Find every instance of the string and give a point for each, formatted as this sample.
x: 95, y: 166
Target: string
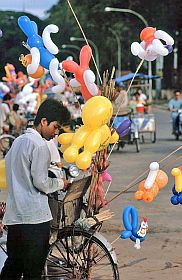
x: 84, y: 36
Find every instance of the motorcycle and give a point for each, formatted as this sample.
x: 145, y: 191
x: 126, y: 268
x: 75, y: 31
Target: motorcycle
x: 178, y: 125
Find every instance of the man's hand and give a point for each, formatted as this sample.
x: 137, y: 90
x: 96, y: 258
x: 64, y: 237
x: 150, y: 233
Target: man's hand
x: 66, y: 184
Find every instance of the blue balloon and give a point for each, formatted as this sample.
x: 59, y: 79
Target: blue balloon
x: 34, y: 40
x: 174, y: 200
x: 130, y: 221
x: 180, y: 198
x: 174, y: 190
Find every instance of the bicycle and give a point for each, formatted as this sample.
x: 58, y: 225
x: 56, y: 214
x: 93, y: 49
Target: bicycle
x: 77, y: 251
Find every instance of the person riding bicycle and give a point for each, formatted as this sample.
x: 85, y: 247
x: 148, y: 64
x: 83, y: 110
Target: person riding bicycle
x: 28, y: 214
x: 174, y: 105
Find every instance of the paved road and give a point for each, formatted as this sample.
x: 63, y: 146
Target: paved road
x: 160, y: 255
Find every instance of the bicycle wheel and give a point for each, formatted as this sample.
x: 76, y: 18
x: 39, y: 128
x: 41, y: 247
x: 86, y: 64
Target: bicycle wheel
x: 6, y: 141
x: 78, y: 254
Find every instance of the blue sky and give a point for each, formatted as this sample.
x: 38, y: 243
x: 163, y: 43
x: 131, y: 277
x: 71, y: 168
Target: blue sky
x: 35, y: 7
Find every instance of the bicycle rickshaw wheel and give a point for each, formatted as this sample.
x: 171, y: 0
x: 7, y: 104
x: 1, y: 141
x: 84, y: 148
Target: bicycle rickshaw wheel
x: 6, y: 141
x: 78, y: 254
x: 137, y: 143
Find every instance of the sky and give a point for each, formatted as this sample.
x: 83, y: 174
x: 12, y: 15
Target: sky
x: 35, y: 7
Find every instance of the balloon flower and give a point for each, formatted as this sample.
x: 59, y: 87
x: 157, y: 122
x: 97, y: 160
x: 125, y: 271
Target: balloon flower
x: 177, y: 188
x: 133, y: 231
x: 84, y: 77
x: 151, y: 47
x: 93, y: 136
x: 42, y: 50
x: 149, y: 188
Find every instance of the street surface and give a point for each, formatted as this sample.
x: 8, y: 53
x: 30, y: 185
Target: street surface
x: 160, y: 255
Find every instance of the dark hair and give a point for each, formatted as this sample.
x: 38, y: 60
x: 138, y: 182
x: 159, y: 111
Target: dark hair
x: 177, y: 90
x: 52, y: 110
x: 7, y: 97
x: 15, y: 107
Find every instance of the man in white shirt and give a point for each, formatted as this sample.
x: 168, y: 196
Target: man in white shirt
x: 27, y: 211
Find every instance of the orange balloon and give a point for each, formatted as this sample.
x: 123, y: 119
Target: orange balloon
x: 141, y: 186
x: 26, y: 60
x: 154, y: 189
x: 38, y: 74
x: 139, y: 195
x: 161, y: 179
x: 147, y: 34
x: 148, y: 197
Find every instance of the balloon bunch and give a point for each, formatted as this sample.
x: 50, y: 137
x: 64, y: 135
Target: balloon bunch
x: 151, y: 47
x: 84, y: 77
x: 94, y: 135
x: 149, y: 188
x: 42, y: 50
x: 133, y: 231
x: 177, y: 188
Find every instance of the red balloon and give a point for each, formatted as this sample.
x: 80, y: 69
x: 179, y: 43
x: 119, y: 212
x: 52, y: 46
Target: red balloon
x: 147, y: 34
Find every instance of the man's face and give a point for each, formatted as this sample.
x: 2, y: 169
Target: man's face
x: 49, y: 131
x: 177, y: 95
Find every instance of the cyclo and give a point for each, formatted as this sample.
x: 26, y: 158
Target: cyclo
x: 77, y: 249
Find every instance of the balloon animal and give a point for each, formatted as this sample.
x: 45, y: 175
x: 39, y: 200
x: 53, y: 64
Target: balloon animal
x: 149, y: 188
x: 84, y: 77
x: 42, y: 51
x: 94, y: 135
x: 151, y: 47
x: 133, y: 231
x: 177, y: 188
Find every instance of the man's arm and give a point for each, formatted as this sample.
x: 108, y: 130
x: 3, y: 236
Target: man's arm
x: 39, y: 171
x: 171, y: 106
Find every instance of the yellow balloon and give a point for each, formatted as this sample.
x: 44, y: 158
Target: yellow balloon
x: 2, y: 174
x: 105, y: 135
x: 71, y: 154
x: 65, y: 138
x: 97, y: 112
x: 80, y: 136
x: 84, y: 160
x: 64, y: 147
x: 114, y: 138
x: 93, y: 141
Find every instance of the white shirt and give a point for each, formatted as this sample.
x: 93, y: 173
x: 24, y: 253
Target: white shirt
x: 28, y: 184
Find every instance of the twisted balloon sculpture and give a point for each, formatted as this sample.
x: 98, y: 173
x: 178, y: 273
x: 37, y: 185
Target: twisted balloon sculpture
x: 151, y: 47
x: 42, y: 51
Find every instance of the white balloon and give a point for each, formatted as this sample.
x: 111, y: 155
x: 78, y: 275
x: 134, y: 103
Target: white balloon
x: 58, y: 89
x: 74, y: 83
x: 159, y: 48
x: 89, y: 79
x: 154, y: 168
x: 4, y: 87
x: 32, y: 68
x: 51, y: 28
x: 160, y: 34
x: 135, y: 48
